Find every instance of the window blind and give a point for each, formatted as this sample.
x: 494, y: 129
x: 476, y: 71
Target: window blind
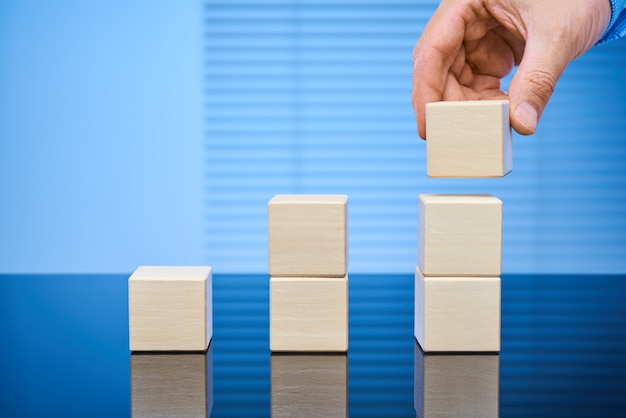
x: 315, y: 97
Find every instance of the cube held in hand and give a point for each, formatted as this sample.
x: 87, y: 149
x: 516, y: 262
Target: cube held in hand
x: 470, y: 138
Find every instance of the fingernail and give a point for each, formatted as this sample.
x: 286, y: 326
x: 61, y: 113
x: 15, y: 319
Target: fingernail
x: 527, y: 115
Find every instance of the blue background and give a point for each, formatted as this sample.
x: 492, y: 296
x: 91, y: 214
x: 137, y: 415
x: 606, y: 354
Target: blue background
x: 155, y: 132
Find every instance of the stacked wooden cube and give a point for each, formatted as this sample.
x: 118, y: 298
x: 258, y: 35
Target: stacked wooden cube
x: 457, y: 281
x: 308, y: 254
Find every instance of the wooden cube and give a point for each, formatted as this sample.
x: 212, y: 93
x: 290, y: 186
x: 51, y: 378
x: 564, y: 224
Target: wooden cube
x: 170, y: 308
x: 308, y: 235
x: 460, y: 235
x: 309, y: 314
x: 309, y: 385
x: 468, y: 139
x: 457, y: 313
x: 171, y: 385
x: 456, y: 385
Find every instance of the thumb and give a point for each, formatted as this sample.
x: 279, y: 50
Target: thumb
x: 534, y: 82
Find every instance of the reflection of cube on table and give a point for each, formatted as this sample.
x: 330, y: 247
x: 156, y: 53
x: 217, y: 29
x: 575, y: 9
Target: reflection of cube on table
x: 468, y: 139
x: 170, y: 309
x: 460, y: 235
x: 456, y: 385
x: 307, y: 235
x: 171, y: 384
x: 309, y: 385
x: 457, y: 313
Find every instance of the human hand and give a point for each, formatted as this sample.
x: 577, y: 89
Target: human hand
x: 468, y: 46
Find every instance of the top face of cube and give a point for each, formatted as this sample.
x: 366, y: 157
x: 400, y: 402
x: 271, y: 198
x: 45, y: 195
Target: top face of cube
x: 307, y: 235
x: 459, y: 199
x: 468, y: 139
x: 460, y: 235
x: 313, y: 199
x: 156, y: 273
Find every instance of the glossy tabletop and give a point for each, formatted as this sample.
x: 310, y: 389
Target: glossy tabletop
x: 64, y: 352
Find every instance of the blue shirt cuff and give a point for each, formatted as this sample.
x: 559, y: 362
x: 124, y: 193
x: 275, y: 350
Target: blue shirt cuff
x: 617, y: 26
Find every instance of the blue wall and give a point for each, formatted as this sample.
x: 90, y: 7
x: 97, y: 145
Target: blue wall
x: 155, y: 132
x: 100, y: 135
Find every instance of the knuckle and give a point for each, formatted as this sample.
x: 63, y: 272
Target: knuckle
x: 542, y: 83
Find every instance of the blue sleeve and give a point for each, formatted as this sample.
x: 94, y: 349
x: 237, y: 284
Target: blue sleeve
x: 617, y: 26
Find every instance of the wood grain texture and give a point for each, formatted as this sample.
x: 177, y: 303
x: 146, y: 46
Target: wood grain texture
x: 309, y: 314
x: 468, y: 139
x: 456, y: 385
x: 307, y: 235
x: 170, y: 308
x: 460, y: 235
x: 171, y: 385
x: 457, y: 313
x: 308, y: 385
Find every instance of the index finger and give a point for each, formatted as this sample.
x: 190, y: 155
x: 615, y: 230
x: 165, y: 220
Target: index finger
x: 434, y: 53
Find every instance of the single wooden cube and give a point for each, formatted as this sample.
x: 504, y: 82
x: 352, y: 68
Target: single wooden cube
x: 170, y: 308
x: 468, y: 139
x: 457, y: 313
x: 309, y: 385
x: 308, y: 235
x: 460, y: 235
x: 309, y: 314
x: 456, y: 385
x: 171, y: 385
